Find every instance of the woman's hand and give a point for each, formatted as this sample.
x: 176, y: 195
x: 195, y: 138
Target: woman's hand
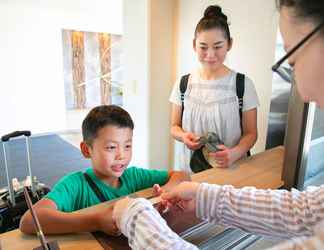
x: 183, y: 196
x: 191, y: 140
x: 224, y: 158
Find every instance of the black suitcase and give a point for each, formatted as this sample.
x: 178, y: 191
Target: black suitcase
x: 12, y: 202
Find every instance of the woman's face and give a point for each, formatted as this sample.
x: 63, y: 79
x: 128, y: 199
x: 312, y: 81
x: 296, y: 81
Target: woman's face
x: 211, y: 47
x: 308, y: 60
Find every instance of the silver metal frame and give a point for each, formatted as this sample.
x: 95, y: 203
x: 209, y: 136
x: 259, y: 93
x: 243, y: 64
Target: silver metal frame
x: 29, y: 163
x: 6, y: 152
x: 294, y: 137
x: 308, y: 127
x: 6, y: 158
x: 298, y: 138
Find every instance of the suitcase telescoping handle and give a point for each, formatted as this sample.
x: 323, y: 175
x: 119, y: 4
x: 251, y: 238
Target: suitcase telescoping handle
x: 4, y: 140
x: 7, y: 137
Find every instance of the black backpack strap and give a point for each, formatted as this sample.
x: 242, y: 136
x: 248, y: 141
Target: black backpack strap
x: 94, y: 188
x: 240, y: 93
x: 183, y: 88
x: 240, y: 86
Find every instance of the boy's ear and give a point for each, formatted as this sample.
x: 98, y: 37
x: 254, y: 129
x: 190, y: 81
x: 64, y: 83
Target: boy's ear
x: 85, y: 149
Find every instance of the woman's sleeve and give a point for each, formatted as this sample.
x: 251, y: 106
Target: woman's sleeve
x: 175, y: 96
x: 305, y: 243
x: 250, y: 98
x: 146, y: 229
x: 277, y: 213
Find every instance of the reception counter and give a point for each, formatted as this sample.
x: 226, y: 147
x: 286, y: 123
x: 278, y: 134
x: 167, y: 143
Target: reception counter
x: 262, y: 170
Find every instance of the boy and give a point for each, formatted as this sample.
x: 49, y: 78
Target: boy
x: 107, y: 140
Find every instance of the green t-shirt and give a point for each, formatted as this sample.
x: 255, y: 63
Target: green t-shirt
x: 73, y: 192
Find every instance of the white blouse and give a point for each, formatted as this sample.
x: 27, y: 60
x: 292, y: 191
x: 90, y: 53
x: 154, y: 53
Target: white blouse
x: 211, y: 106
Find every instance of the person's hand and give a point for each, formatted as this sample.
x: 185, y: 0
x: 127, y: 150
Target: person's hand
x: 106, y: 222
x: 224, y: 158
x: 157, y: 190
x: 191, y: 140
x: 162, y: 206
x: 182, y: 196
x: 119, y: 209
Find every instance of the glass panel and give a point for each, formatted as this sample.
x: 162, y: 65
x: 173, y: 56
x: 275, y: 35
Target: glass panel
x: 279, y: 103
x: 318, y: 129
x: 315, y: 163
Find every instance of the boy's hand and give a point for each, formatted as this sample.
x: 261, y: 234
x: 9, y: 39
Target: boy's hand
x: 106, y: 223
x: 157, y: 190
x: 162, y: 206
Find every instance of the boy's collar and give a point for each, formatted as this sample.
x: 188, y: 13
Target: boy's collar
x: 90, y: 172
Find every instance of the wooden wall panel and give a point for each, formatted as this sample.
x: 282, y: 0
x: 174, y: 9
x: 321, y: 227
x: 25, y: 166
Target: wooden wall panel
x: 78, y: 69
x: 105, y: 66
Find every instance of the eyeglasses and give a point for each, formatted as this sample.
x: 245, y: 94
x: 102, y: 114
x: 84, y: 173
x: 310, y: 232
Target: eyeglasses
x: 284, y: 72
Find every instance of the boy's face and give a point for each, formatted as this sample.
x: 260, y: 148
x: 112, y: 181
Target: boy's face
x: 111, y: 151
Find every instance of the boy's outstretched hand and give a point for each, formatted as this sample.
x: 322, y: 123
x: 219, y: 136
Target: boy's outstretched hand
x: 157, y: 190
x: 161, y: 207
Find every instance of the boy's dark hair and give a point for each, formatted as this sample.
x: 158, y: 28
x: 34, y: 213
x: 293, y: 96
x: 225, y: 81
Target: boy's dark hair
x: 102, y: 116
x: 214, y: 18
x: 309, y: 9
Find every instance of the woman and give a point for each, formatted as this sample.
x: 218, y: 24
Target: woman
x: 211, y: 101
x: 297, y: 215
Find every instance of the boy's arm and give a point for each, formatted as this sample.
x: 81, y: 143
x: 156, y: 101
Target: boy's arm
x: 54, y: 221
x: 175, y: 177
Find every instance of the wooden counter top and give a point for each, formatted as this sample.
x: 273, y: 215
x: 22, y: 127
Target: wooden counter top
x: 262, y: 171
x: 15, y: 240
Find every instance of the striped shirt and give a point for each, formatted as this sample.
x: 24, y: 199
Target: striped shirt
x: 297, y: 216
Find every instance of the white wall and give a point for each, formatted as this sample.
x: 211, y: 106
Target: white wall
x: 31, y: 81
x: 253, y: 28
x: 162, y: 16
x: 136, y: 65
x: 148, y: 46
